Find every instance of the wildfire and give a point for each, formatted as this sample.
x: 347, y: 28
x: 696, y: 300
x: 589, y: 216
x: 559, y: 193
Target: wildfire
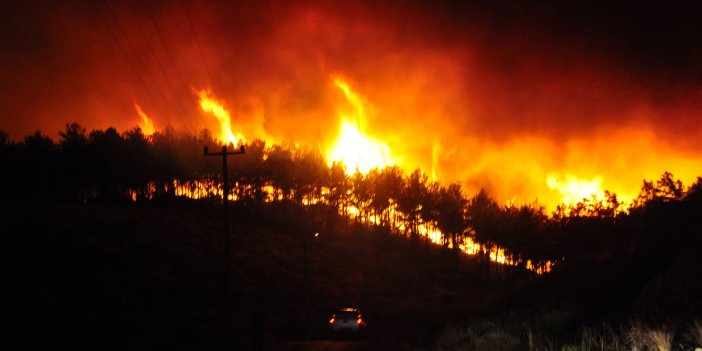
x: 353, y: 147
x: 210, y: 105
x: 147, y: 126
x: 574, y: 189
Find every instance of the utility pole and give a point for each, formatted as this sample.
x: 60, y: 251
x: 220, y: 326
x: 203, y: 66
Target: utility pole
x: 305, y: 282
x: 227, y: 246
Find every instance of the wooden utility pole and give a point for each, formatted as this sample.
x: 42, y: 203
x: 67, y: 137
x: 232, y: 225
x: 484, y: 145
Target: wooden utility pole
x: 227, y: 246
x: 305, y: 282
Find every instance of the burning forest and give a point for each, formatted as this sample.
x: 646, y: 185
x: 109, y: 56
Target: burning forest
x: 535, y: 144
x: 519, y: 110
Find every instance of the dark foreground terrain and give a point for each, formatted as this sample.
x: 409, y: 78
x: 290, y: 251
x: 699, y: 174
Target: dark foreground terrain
x: 152, y: 276
x: 148, y: 276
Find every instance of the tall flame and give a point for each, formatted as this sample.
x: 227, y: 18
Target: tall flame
x: 574, y: 189
x: 147, y: 125
x: 210, y: 105
x: 353, y: 147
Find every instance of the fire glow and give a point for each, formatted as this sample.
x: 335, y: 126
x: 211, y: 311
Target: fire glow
x: 353, y: 147
x: 146, y: 125
x: 574, y: 189
x: 550, y: 184
x: 210, y: 105
x: 500, y: 115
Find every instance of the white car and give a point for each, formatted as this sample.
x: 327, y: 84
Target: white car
x: 347, y: 320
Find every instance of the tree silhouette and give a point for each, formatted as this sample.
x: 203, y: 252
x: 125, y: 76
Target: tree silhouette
x: 309, y: 173
x: 410, y: 199
x: 164, y: 162
x: 430, y: 203
x: 138, y: 167
x: 73, y: 146
x: 7, y: 156
x: 386, y: 188
x: 249, y: 172
x: 485, y: 219
x: 8, y: 175
x: 109, y: 166
x: 451, y: 209
x: 694, y: 192
x: 668, y: 188
x: 38, y: 166
x: 4, y: 139
x: 523, y: 232
x: 279, y: 169
x: 362, y: 195
x: 73, y: 139
x: 339, y: 188
x: 106, y: 162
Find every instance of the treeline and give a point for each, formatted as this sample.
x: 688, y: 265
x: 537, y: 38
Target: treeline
x: 104, y: 165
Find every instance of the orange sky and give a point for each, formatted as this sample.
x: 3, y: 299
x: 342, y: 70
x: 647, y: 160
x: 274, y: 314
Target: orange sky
x: 493, y: 96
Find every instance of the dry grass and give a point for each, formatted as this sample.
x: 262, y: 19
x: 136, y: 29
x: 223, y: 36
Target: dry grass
x: 696, y: 333
x: 636, y: 337
x: 498, y: 335
x: 455, y: 338
x: 478, y: 336
x: 642, y: 338
x: 603, y: 338
x: 660, y: 340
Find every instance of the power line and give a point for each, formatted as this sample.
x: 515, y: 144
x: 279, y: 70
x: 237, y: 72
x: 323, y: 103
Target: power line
x: 153, y: 52
x: 136, y: 54
x: 129, y: 61
x: 197, y: 41
x: 170, y: 57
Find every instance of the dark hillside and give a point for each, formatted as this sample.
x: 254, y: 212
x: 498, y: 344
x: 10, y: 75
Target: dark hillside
x: 649, y: 270
x: 150, y: 276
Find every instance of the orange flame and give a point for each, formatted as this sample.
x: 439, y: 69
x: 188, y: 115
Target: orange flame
x: 210, y: 105
x: 147, y: 125
x: 574, y: 189
x: 353, y: 147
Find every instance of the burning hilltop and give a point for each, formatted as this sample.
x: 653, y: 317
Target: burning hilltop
x: 532, y: 103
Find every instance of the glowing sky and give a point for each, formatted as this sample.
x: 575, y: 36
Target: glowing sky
x: 496, y: 95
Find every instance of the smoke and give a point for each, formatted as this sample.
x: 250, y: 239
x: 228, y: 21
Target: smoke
x: 496, y: 96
